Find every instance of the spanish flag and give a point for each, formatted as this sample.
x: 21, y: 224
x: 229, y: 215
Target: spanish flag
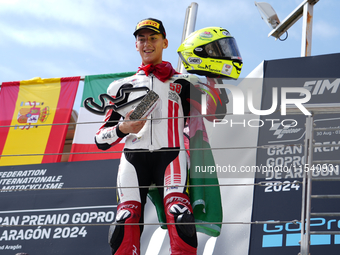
x: 33, y: 114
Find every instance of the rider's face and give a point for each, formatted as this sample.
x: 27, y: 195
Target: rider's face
x: 150, y: 46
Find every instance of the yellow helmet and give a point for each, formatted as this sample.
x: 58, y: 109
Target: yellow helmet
x: 211, y: 52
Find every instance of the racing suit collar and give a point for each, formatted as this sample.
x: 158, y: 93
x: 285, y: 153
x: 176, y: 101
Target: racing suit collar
x: 162, y: 71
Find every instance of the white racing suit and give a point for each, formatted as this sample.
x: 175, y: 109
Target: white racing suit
x: 154, y: 156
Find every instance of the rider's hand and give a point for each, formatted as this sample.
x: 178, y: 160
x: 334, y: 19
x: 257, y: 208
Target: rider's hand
x: 129, y: 126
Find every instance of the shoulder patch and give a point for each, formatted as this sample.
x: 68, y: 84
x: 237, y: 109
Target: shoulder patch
x: 115, y: 85
x: 193, y: 79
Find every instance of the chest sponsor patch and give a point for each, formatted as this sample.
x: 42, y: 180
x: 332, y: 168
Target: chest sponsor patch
x: 173, y: 96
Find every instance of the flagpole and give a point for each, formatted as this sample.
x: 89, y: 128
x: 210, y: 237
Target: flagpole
x: 188, y: 28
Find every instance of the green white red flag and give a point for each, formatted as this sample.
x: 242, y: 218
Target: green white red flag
x: 84, y: 147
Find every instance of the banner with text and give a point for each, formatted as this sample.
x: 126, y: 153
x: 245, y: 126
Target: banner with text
x: 60, y: 208
x: 283, y: 162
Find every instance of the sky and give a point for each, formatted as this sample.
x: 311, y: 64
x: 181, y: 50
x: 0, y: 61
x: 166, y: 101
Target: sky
x: 61, y: 38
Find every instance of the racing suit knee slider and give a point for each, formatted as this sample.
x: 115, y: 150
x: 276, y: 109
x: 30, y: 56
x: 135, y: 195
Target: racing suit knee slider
x: 125, y: 238
x: 183, y: 238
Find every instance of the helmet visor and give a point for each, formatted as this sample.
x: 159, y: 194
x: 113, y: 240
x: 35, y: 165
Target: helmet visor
x: 225, y: 48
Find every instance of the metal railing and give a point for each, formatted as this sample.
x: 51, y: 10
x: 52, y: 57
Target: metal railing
x: 306, y: 206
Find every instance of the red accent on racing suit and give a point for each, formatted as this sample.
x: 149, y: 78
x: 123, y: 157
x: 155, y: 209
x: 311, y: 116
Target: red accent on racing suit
x: 163, y: 130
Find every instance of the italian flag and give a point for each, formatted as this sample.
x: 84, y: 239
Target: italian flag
x: 84, y: 147
x: 33, y: 114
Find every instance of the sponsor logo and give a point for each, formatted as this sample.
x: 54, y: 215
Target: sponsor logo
x: 134, y: 250
x: 171, y: 188
x: 189, y: 44
x: 148, y: 23
x: 318, y: 87
x: 123, y: 215
x: 227, y: 69
x: 209, y: 68
x: 131, y: 206
x: 173, y: 96
x: 184, y: 76
x: 286, y: 129
x: 107, y: 135
x: 194, y: 61
x: 187, y: 53
x: 205, y: 35
x: 177, y: 199
x: 289, y: 234
x: 136, y: 140
x: 179, y: 209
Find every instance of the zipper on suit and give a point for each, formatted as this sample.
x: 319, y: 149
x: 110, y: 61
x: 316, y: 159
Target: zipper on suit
x: 151, y: 145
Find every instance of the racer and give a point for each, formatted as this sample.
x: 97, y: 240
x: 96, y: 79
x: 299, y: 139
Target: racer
x: 153, y: 152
